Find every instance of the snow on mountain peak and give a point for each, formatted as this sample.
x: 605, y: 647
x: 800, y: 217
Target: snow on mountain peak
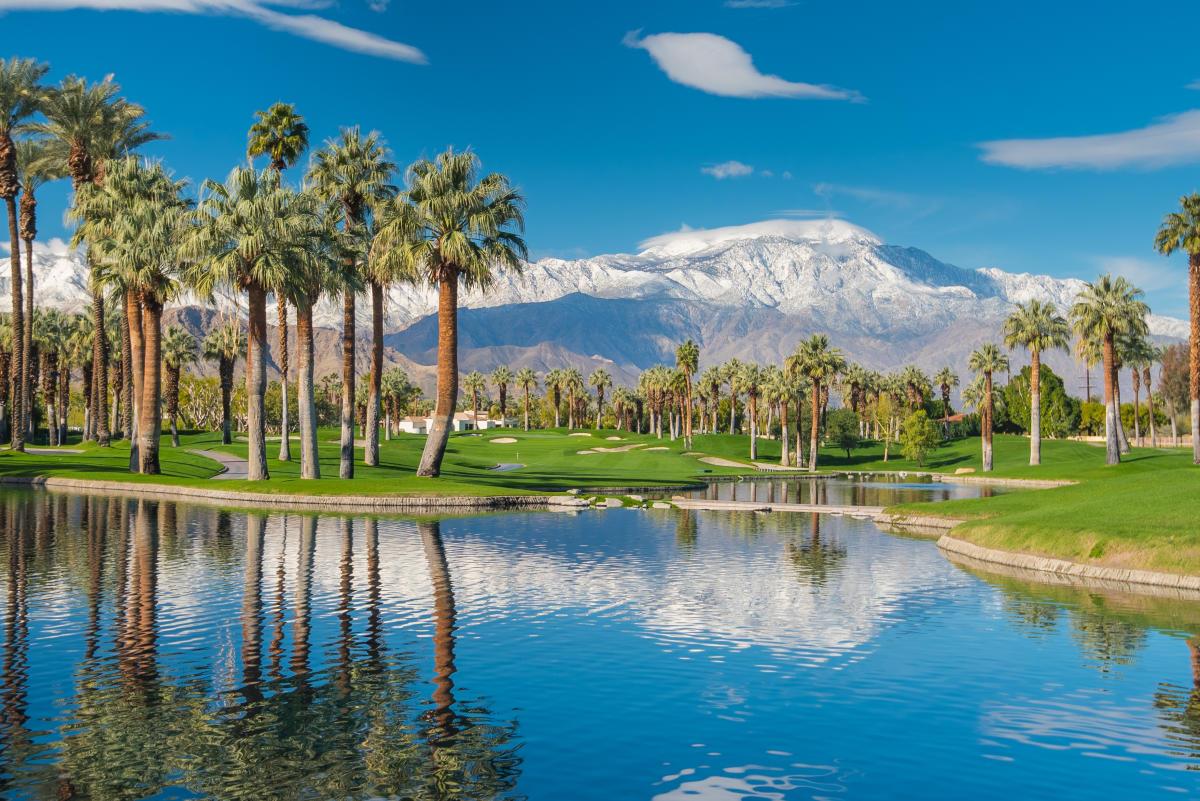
x: 828, y: 231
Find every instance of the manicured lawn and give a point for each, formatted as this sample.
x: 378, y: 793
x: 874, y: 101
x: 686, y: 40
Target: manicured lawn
x: 1143, y: 513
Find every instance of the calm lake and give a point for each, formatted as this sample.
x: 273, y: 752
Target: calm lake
x: 156, y: 650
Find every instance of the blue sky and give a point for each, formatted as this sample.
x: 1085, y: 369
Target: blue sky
x: 617, y: 132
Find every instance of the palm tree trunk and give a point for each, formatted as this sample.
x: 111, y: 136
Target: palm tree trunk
x: 225, y: 369
x: 732, y: 412
x: 1137, y: 407
x: 1035, y: 407
x: 150, y: 408
x: 99, y: 369
x: 128, y: 398
x: 1150, y: 410
x: 1112, y: 419
x: 1194, y: 352
x: 371, y: 456
x: 18, y: 377
x: 752, y: 413
x: 1122, y: 437
x: 447, y: 375
x: 785, y: 458
x: 256, y: 383
x: 285, y: 427
x: 27, y: 334
x: 310, y: 466
x: 172, y: 398
x: 133, y: 388
x: 988, y: 403
x: 814, y: 432
x: 64, y: 404
x: 346, y: 464
x: 526, y: 408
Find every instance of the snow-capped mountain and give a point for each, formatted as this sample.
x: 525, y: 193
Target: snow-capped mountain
x: 749, y: 291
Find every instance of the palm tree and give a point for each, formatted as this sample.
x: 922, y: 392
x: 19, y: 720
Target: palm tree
x: 730, y: 370
x: 1106, y: 309
x: 600, y: 381
x: 946, y: 379
x: 1038, y: 327
x: 916, y: 385
x: 778, y: 391
x: 986, y: 361
x: 749, y: 382
x: 1180, y: 230
x: 451, y: 228
x: 572, y: 384
x: 475, y: 385
x: 223, y: 344
x: 87, y: 124
x: 820, y: 364
x: 554, y: 385
x: 687, y: 360
x: 133, y: 222
x: 712, y: 380
x: 249, y: 233
x: 50, y: 332
x: 527, y: 381
x: 352, y: 173
x: 397, y: 391
x: 21, y: 97
x: 1153, y: 356
x: 178, y: 351
x: 35, y: 167
x: 280, y: 134
x: 501, y: 378
x: 1136, y: 353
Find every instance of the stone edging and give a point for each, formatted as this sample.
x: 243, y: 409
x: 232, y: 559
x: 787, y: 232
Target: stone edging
x: 1063, y: 567
x: 378, y: 503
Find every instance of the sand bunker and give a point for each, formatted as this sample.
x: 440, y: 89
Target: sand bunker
x: 583, y: 453
x: 503, y: 440
x: 659, y: 448
x: 614, y: 439
x: 619, y: 449
x: 579, y: 434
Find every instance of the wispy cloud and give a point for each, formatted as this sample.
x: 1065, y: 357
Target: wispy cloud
x: 919, y: 205
x: 379, y: 5
x: 716, y: 65
x: 758, y: 3
x: 1171, y: 140
x: 264, y: 12
x: 728, y: 169
x: 1152, y: 276
x: 1193, y: 85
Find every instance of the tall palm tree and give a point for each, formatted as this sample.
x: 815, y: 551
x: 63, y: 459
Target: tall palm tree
x: 1136, y: 353
x: 554, y: 384
x: 749, y: 382
x: 1154, y: 356
x: 819, y: 363
x: 353, y: 174
x: 134, y: 222
x: 687, y: 361
x: 986, y: 361
x: 178, y: 351
x: 451, y: 228
x: 21, y: 96
x: 1180, y: 230
x: 731, y: 370
x: 712, y: 380
x: 87, y: 124
x: 501, y: 377
x: 572, y: 384
x: 916, y: 385
x: 600, y: 381
x: 946, y: 379
x: 475, y: 385
x: 527, y: 380
x: 280, y: 134
x: 223, y: 344
x: 50, y: 332
x: 779, y: 392
x: 1106, y: 309
x: 250, y: 233
x: 35, y: 167
x: 1038, y: 327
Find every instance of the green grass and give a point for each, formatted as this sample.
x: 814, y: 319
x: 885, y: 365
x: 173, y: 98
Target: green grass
x: 551, y: 459
x: 1140, y: 514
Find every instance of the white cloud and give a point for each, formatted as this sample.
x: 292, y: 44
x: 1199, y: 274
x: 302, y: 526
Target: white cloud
x: 379, y: 5
x: 1150, y: 276
x: 919, y: 205
x: 307, y: 26
x: 1171, y: 140
x: 691, y: 240
x: 716, y: 65
x: 1193, y: 85
x: 727, y: 169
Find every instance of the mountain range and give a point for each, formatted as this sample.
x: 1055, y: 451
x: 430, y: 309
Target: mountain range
x: 750, y: 291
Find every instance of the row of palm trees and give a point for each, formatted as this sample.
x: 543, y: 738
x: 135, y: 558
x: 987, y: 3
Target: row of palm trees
x: 346, y: 230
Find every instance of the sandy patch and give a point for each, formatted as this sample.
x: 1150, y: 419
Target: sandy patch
x: 619, y: 449
x: 614, y: 439
x: 503, y: 440
x: 583, y: 453
x: 579, y: 434
x: 659, y: 448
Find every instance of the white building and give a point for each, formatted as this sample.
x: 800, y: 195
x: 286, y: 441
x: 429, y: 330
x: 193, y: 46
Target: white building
x: 413, y: 425
x: 464, y: 421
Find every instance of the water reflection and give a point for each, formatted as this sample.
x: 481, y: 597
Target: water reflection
x: 158, y: 705
x: 849, y: 490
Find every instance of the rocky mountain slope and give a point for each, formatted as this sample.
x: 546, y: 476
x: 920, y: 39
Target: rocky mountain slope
x: 747, y: 291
